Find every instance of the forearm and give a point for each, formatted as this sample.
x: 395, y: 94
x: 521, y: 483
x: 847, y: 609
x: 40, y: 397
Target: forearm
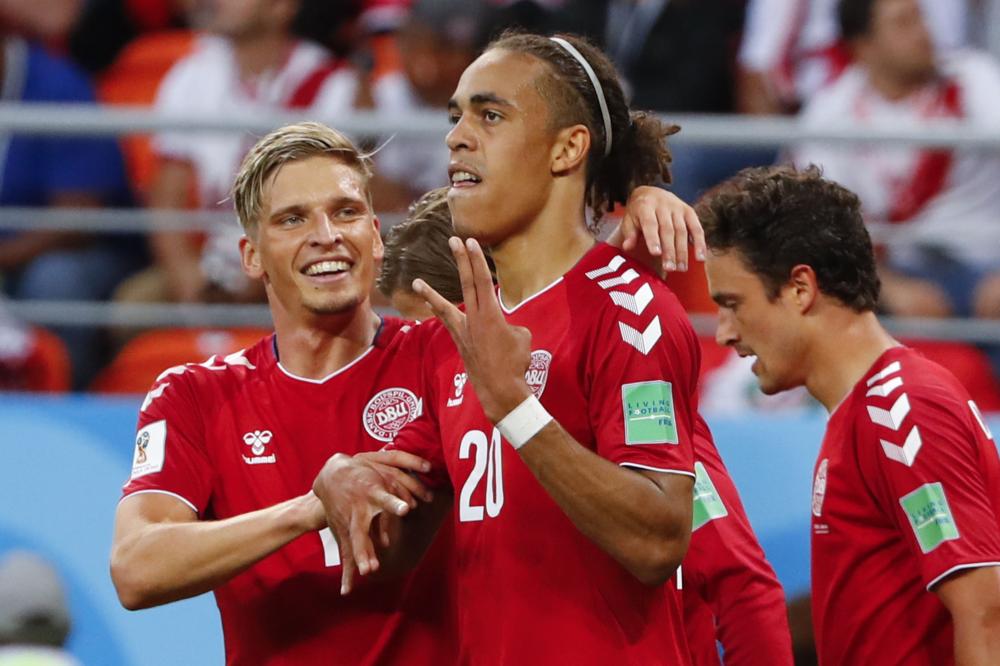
x: 165, y: 561
x: 977, y: 638
x: 621, y: 510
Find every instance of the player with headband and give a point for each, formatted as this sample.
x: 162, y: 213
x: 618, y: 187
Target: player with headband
x: 559, y: 413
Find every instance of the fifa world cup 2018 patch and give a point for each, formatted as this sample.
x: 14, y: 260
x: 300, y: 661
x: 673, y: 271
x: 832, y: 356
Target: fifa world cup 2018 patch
x: 648, y: 409
x: 930, y: 516
x: 150, y: 449
x: 707, y: 503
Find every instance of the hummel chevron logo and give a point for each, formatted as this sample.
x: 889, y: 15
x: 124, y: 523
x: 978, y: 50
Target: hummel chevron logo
x: 906, y: 453
x: 642, y: 341
x: 893, y: 417
x: 612, y: 267
x: 153, y: 395
x: 884, y: 390
x: 890, y: 369
x: 634, y: 304
x: 624, y: 278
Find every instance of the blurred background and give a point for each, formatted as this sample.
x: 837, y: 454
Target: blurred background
x: 123, y: 122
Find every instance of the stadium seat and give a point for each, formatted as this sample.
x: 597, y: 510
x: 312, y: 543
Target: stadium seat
x: 47, y: 366
x: 144, y: 357
x: 969, y: 364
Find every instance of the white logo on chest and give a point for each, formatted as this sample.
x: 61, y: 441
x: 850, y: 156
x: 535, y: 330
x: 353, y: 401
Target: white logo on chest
x: 388, y: 411
x: 258, y: 440
x: 819, y: 488
x: 460, y: 379
x: 538, y: 372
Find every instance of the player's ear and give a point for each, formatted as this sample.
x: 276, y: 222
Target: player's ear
x: 570, y: 149
x: 804, y: 287
x: 250, y: 259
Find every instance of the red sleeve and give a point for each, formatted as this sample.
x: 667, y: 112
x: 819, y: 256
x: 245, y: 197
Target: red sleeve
x: 642, y: 375
x: 725, y: 568
x: 170, y: 455
x: 926, y: 455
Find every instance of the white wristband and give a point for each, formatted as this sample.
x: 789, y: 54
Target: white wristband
x: 523, y: 422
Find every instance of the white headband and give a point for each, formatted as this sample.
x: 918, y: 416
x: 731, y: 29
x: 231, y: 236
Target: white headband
x: 597, y: 89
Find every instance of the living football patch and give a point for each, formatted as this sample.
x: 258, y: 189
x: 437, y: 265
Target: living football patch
x: 930, y: 516
x: 648, y: 410
x: 707, y: 503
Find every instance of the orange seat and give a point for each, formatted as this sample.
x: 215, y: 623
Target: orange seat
x: 132, y: 80
x: 142, y: 360
x: 47, y: 366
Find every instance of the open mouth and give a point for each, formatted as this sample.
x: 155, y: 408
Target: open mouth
x: 327, y: 269
x: 463, y: 176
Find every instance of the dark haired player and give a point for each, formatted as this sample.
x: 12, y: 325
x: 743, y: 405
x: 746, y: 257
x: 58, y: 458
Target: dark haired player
x: 906, y: 493
x: 560, y: 414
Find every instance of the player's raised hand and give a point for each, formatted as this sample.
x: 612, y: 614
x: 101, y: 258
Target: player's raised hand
x: 353, y: 492
x: 667, y: 226
x: 496, y: 354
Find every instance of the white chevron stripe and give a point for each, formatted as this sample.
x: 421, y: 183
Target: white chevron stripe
x: 892, y: 417
x: 906, y: 453
x: 624, y: 278
x: 153, y: 395
x: 634, y: 304
x: 979, y: 418
x: 890, y: 369
x: 884, y: 390
x: 642, y: 341
x: 615, y: 264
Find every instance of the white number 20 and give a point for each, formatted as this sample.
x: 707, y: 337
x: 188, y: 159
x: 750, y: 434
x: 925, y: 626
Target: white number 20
x: 488, y: 461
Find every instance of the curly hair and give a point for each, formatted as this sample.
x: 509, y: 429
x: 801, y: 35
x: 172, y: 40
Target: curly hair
x: 781, y: 217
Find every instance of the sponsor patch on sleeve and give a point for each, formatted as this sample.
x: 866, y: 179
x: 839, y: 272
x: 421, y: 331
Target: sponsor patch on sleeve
x: 930, y: 516
x: 648, y: 410
x: 150, y: 449
x: 707, y: 504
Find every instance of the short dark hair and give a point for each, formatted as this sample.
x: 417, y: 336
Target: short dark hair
x: 639, y: 153
x: 855, y: 17
x: 780, y: 217
x: 418, y: 248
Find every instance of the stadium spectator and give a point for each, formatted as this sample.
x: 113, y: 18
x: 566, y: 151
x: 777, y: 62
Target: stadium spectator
x: 541, y: 129
x: 34, y: 615
x: 906, y: 489
x: 66, y: 172
x: 226, y: 506
x: 793, y: 48
x: 731, y: 595
x: 945, y: 257
x: 252, y: 63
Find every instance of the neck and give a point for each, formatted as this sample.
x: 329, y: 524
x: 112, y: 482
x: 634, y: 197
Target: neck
x: 326, y: 343
x: 260, y: 53
x: 833, y: 373
x: 893, y: 87
x: 545, y: 249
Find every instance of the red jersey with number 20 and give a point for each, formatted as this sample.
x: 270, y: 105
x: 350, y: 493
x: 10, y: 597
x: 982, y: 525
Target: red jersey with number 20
x: 906, y: 492
x: 240, y: 433
x: 615, y: 362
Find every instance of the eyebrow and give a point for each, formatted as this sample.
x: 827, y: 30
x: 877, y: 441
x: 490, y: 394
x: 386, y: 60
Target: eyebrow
x: 480, y: 99
x: 335, y: 202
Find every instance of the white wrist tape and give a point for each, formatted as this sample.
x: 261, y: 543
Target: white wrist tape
x: 524, y: 422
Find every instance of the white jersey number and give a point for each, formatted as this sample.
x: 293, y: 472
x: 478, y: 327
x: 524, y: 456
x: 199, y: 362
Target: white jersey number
x: 488, y: 461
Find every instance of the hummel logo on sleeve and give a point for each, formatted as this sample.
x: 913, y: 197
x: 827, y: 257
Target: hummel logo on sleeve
x: 635, y: 303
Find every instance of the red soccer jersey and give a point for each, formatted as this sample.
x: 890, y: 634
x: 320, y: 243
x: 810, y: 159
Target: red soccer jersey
x: 615, y: 362
x: 240, y: 433
x: 905, y: 492
x: 731, y: 594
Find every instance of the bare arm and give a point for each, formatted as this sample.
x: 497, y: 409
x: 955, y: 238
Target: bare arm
x: 972, y: 596
x: 175, y: 251
x: 666, y: 224
x: 161, y: 552
x: 642, y: 519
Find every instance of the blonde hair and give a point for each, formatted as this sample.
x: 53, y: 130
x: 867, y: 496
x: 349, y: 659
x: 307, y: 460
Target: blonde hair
x: 288, y: 144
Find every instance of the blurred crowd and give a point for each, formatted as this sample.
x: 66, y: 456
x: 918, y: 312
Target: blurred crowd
x: 867, y: 63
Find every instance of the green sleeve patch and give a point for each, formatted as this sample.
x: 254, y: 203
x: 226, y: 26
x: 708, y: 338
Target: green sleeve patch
x: 707, y: 503
x: 648, y: 408
x: 930, y: 516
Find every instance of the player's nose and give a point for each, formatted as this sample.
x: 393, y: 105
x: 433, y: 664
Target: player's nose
x: 461, y: 136
x: 323, y: 231
x: 725, y: 331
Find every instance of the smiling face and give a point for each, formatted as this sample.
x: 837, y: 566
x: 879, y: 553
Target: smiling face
x: 317, y: 240
x: 501, y: 146
x: 755, y: 325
